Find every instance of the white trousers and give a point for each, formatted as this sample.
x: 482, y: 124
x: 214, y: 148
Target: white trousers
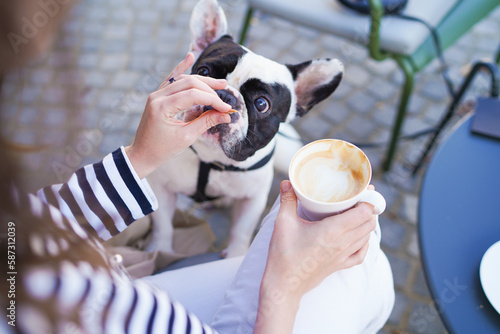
x: 225, y: 293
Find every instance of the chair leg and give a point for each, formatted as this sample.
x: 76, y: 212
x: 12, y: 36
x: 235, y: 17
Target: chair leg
x: 246, y: 25
x: 402, y: 108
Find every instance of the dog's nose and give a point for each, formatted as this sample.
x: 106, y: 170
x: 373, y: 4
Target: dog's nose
x: 227, y: 97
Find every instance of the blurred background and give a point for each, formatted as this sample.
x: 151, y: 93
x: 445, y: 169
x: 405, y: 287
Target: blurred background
x: 84, y: 98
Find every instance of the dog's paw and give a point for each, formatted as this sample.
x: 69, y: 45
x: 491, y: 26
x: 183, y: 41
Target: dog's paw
x: 234, y: 251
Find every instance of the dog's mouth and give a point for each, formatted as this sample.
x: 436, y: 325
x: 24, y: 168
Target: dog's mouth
x: 228, y: 136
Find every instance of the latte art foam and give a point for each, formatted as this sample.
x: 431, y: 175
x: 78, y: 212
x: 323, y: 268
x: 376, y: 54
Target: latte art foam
x: 332, y: 175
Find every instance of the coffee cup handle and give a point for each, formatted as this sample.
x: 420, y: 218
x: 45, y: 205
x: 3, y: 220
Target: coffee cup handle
x: 376, y: 199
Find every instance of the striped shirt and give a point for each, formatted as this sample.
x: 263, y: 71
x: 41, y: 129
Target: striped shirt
x: 69, y: 283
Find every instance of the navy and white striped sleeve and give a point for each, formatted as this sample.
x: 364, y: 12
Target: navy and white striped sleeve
x: 104, y: 303
x: 104, y: 197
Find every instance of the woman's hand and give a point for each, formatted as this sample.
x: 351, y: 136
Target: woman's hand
x: 302, y: 254
x: 160, y: 136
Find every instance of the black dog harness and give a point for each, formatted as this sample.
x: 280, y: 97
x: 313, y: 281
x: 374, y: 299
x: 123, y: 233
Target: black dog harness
x: 205, y: 167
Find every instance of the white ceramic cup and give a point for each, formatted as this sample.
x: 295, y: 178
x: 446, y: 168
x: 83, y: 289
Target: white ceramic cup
x: 330, y: 176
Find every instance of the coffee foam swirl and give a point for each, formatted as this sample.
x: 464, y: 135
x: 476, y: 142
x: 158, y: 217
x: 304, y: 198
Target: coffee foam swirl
x: 334, y: 175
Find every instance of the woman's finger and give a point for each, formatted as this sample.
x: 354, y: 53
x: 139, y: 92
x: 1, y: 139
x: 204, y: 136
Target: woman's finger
x: 181, y: 68
x: 185, y: 82
x: 204, y: 122
x: 355, y: 217
x: 357, y: 257
x: 173, y: 104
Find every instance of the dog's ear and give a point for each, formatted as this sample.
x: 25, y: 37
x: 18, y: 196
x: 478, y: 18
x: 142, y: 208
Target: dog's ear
x: 315, y: 80
x: 208, y: 24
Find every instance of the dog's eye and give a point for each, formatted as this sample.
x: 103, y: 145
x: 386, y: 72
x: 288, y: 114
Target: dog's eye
x: 262, y: 105
x: 203, y: 71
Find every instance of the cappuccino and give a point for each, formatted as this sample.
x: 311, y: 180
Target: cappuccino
x: 331, y: 171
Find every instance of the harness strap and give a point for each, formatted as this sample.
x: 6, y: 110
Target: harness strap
x: 205, y: 167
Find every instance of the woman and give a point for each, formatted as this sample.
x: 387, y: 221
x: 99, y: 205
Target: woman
x: 64, y: 278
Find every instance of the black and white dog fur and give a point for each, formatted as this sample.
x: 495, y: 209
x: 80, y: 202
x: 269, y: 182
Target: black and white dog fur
x: 232, y: 164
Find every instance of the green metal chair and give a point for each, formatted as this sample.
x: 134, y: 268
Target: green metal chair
x: 409, y: 43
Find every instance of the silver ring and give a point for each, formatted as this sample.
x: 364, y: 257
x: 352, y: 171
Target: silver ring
x: 171, y: 80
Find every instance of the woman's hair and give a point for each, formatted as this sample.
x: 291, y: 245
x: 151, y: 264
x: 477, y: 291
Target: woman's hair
x: 26, y: 29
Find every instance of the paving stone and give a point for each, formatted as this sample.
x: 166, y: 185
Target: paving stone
x: 26, y: 137
x: 96, y: 14
x: 361, y: 126
x: 335, y: 112
x: 342, y: 91
x: 28, y: 116
x: 417, y: 105
x: 147, y: 15
x: 124, y: 80
x: 115, y: 46
x: 409, y: 208
x: 486, y: 29
x: 382, y: 89
x: 361, y: 102
x: 331, y: 42
x: 109, y: 98
x: 398, y: 78
x: 413, y: 245
x: 435, y: 90
x: 53, y: 137
x: 307, y: 33
x: 356, y: 76
x: 141, y: 62
x: 116, y: 32
x: 425, y: 319
x: 55, y: 117
x: 113, y: 62
x: 390, y: 194
x: 96, y: 79
x: 393, y: 234
x: 400, y: 305
x: 434, y: 112
x: 94, y: 29
x: 30, y: 94
x: 304, y: 50
x: 41, y: 76
x: 420, y: 285
x: 384, y: 114
x: 283, y: 39
x: 54, y: 95
x: 400, y: 268
x: 88, y: 60
x: 112, y: 142
x: 90, y: 44
x: 120, y: 15
x: 414, y: 125
x: 315, y: 127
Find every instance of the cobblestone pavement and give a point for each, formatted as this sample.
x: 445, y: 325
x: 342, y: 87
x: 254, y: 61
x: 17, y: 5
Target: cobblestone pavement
x: 85, y: 97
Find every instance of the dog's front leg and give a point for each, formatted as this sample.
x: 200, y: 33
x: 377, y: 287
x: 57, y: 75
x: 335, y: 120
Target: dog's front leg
x: 163, y: 231
x: 245, y: 217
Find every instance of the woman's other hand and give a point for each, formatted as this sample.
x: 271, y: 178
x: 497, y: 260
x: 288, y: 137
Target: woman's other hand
x: 302, y: 254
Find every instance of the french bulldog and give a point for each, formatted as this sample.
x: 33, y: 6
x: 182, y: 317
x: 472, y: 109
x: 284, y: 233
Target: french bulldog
x: 232, y: 164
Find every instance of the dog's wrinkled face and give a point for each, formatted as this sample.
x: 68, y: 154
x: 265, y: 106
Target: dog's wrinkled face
x: 263, y: 92
x: 258, y: 89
